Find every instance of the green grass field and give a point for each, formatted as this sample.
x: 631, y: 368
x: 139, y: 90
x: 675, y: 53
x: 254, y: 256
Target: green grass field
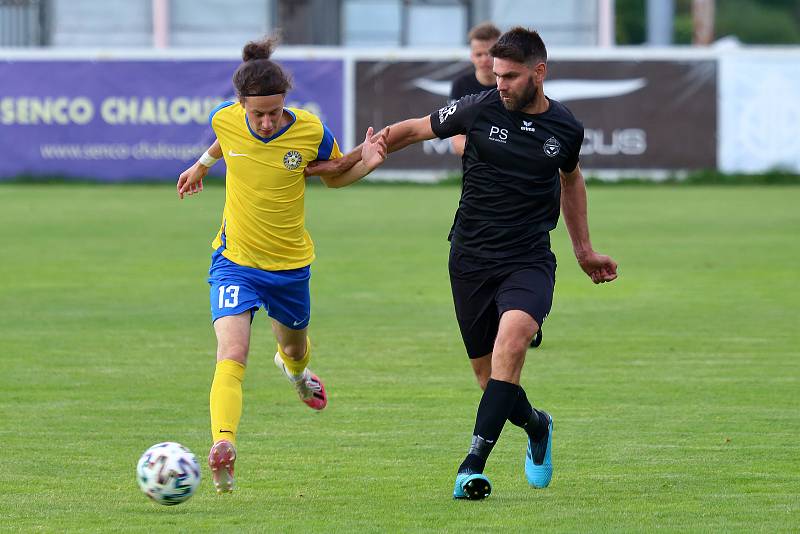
x: 675, y: 390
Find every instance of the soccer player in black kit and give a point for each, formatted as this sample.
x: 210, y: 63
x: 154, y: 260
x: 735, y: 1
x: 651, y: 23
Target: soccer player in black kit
x: 520, y: 168
x: 481, y: 39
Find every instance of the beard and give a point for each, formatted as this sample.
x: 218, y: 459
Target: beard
x: 525, y: 99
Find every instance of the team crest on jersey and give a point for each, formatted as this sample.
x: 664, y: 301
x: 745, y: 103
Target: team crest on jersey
x: 552, y: 147
x: 292, y: 160
x: 447, y: 111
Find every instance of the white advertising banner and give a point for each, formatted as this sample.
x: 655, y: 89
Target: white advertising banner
x: 759, y: 111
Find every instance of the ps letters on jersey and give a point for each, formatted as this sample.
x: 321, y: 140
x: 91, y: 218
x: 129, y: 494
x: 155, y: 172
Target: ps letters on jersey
x: 498, y: 134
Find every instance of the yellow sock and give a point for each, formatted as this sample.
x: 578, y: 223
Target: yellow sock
x: 226, y: 400
x: 296, y: 367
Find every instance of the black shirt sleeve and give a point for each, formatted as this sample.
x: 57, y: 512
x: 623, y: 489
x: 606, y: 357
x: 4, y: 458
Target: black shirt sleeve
x: 455, y: 118
x: 572, y: 161
x: 455, y: 90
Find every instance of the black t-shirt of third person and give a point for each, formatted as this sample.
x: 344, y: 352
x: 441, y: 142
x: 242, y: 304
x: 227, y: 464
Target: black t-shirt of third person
x: 511, y: 192
x: 467, y: 84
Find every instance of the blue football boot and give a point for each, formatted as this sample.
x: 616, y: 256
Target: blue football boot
x: 472, y: 486
x: 538, y: 461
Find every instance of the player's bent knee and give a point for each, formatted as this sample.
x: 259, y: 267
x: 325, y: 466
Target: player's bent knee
x: 513, y: 344
x: 482, y: 376
x: 482, y: 367
x: 237, y: 353
x: 483, y: 381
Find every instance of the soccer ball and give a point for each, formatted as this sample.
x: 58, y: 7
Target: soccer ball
x: 168, y: 473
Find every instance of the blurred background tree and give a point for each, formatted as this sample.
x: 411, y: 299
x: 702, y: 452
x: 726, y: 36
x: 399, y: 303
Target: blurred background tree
x: 750, y: 21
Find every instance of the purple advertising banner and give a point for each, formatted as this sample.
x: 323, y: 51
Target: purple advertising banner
x: 126, y: 120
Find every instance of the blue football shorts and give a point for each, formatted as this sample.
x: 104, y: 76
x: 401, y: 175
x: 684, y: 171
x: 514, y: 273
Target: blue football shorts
x: 235, y: 289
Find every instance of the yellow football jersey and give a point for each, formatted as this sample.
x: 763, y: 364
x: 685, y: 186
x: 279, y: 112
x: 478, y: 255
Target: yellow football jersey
x: 263, y: 223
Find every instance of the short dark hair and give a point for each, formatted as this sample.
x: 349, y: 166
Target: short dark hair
x: 258, y: 75
x: 521, y: 45
x: 485, y: 31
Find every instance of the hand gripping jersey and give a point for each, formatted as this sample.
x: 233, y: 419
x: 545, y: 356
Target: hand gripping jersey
x: 263, y: 223
x: 510, y: 198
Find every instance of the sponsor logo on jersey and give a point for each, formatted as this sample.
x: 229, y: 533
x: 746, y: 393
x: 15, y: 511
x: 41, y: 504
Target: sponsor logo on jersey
x: 292, y: 160
x: 527, y: 126
x: 552, y: 147
x: 447, y: 111
x: 498, y: 134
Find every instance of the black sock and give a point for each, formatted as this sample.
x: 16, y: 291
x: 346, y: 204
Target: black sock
x: 522, y: 411
x: 496, y: 403
x: 528, y: 418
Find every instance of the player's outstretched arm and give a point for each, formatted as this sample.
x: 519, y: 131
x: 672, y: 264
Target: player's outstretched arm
x: 335, y: 167
x: 599, y: 267
x: 191, y: 180
x: 403, y: 134
x: 373, y: 153
x: 409, y: 132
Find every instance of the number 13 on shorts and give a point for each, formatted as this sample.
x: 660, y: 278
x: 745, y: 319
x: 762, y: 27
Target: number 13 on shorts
x: 228, y: 296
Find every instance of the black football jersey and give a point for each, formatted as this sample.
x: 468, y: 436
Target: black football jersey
x: 511, y: 192
x: 467, y: 84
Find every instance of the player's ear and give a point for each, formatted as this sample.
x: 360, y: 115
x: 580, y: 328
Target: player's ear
x: 540, y: 71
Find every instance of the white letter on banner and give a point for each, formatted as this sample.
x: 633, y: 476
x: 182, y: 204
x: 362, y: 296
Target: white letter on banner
x: 22, y: 110
x: 60, y: 110
x: 39, y: 112
x: 127, y: 110
x: 147, y: 113
x: 133, y: 111
x: 632, y: 141
x: 81, y: 110
x: 107, y: 110
x: 7, y: 110
x: 163, y: 112
x: 180, y: 110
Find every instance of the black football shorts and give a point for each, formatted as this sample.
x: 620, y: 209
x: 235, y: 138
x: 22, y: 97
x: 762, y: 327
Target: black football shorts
x: 485, y: 289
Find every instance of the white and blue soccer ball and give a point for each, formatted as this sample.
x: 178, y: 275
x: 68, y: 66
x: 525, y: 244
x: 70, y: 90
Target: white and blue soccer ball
x: 168, y: 473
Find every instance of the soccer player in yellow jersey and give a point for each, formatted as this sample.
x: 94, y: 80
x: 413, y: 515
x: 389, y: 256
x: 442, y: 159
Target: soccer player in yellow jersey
x: 262, y: 252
